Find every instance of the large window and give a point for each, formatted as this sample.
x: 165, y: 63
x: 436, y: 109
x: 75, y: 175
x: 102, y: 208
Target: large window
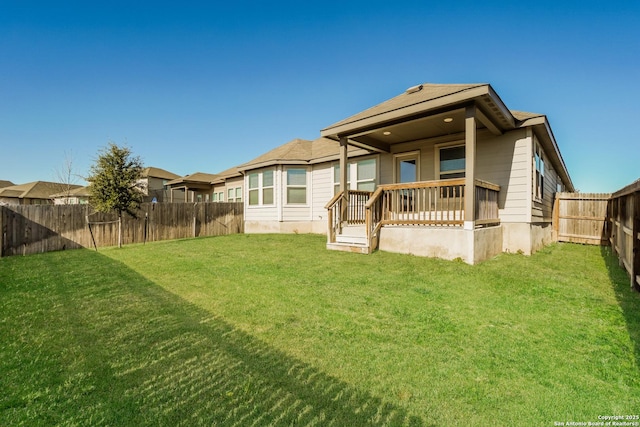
x: 296, y: 186
x: 539, y: 166
x: 361, y: 175
x: 261, y: 188
x: 452, y: 162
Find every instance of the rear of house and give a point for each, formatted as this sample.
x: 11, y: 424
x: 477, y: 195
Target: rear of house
x: 440, y: 170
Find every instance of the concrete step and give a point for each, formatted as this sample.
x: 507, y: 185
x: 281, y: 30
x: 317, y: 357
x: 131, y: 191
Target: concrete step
x: 349, y: 247
x: 351, y: 239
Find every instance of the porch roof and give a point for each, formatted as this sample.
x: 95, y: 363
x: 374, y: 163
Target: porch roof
x: 435, y: 110
x: 420, y: 112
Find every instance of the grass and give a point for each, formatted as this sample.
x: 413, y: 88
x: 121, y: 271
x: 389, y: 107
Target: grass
x: 276, y: 330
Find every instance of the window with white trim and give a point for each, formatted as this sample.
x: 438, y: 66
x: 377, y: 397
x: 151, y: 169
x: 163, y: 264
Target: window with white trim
x: 296, y: 186
x: 261, y: 188
x: 538, y: 160
x: 363, y: 175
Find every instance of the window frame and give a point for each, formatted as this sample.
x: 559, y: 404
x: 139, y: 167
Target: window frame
x: 538, y: 172
x: 260, y: 188
x: 294, y: 186
x: 448, y: 146
x: 352, y: 174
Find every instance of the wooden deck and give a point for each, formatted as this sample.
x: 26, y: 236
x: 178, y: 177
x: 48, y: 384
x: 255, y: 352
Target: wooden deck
x: 438, y: 203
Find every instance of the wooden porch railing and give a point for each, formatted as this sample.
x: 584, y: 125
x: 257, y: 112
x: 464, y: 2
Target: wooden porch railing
x: 437, y: 203
x: 353, y: 213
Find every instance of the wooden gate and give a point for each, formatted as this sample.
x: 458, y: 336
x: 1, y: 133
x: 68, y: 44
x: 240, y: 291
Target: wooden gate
x: 581, y: 218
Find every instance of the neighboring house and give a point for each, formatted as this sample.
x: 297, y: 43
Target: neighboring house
x: 6, y: 183
x: 33, y: 193
x: 227, y: 186
x: 154, y: 184
x: 76, y: 196
x: 196, y: 187
x: 439, y: 170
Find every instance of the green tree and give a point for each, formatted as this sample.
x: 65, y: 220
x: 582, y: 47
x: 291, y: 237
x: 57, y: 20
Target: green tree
x: 113, y: 182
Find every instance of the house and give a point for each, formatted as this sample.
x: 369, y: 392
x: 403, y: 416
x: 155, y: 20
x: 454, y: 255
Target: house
x: 153, y: 184
x: 76, y: 196
x: 196, y: 187
x: 4, y: 183
x: 225, y: 186
x: 33, y: 193
x: 443, y: 170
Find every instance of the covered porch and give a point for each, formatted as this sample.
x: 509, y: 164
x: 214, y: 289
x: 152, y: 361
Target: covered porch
x: 453, y: 216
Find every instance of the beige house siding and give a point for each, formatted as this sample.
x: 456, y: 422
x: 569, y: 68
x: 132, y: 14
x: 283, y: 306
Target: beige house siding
x: 322, y: 185
x: 504, y: 160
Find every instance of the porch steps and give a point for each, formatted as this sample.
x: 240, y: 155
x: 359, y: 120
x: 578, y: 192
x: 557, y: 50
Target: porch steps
x: 352, y: 239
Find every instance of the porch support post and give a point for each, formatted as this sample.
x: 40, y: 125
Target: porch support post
x: 343, y: 178
x: 470, y: 167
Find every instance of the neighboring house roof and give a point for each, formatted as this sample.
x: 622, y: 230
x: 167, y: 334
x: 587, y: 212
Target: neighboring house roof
x: 221, y: 177
x: 194, y: 178
x: 6, y: 183
x: 76, y: 192
x: 300, y: 151
x: 35, y: 190
x: 152, y: 172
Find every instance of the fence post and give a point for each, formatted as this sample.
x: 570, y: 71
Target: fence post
x: 556, y: 217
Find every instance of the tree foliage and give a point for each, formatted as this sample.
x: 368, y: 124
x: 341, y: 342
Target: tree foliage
x: 113, y: 180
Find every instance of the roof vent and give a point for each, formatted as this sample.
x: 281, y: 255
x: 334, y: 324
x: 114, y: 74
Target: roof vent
x: 413, y: 89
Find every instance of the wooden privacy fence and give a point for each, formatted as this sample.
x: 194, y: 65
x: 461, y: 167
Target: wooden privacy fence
x: 29, y: 229
x: 603, y: 219
x: 581, y: 218
x: 624, y: 220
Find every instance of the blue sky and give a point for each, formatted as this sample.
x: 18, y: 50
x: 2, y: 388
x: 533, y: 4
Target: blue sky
x: 205, y: 86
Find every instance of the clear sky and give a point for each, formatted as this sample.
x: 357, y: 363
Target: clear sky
x: 204, y: 86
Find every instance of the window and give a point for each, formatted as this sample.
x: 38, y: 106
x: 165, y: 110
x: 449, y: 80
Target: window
x: 539, y: 175
x: 361, y: 173
x: 214, y: 197
x: 267, y: 187
x: 260, y: 188
x: 254, y: 191
x: 452, y: 162
x: 234, y: 194
x: 366, y: 178
x: 296, y: 186
x: 336, y: 177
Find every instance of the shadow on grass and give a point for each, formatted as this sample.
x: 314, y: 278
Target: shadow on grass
x: 120, y: 350
x: 628, y: 299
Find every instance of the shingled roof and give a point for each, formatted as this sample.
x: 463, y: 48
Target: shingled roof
x: 158, y: 173
x: 35, y: 190
x: 422, y: 93
x: 299, y: 152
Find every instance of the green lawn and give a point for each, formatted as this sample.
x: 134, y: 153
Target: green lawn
x: 275, y: 330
